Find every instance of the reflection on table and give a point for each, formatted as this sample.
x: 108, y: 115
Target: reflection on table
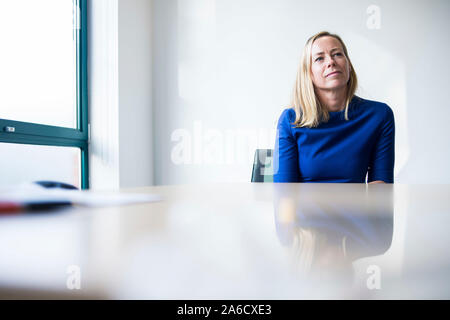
x: 327, y: 233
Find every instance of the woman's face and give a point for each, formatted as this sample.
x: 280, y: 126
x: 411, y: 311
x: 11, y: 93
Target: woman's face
x: 330, y: 69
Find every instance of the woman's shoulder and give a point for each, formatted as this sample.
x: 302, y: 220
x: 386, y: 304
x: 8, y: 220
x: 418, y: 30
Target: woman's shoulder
x: 287, y: 116
x: 377, y: 108
x: 288, y: 112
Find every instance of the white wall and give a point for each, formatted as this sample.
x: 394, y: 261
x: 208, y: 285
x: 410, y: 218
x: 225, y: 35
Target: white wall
x: 135, y: 93
x: 103, y: 92
x: 120, y: 97
x: 223, y: 72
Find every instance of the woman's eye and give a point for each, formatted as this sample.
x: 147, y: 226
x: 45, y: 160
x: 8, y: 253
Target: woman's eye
x: 319, y: 58
x: 338, y: 54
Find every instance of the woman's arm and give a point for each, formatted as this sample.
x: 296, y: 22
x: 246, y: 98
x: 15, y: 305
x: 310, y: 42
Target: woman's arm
x: 285, y: 155
x: 381, y: 166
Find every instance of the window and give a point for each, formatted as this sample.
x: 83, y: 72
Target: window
x: 43, y: 91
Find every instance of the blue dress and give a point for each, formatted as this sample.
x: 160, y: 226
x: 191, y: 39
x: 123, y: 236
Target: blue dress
x: 338, y: 150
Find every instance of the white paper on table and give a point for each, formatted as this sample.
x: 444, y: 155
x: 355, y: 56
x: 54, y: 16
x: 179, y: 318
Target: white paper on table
x: 92, y: 199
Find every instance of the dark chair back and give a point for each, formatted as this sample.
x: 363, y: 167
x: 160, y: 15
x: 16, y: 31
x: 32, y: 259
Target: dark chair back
x: 262, y: 166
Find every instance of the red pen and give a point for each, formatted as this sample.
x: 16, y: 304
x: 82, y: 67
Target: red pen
x: 9, y: 207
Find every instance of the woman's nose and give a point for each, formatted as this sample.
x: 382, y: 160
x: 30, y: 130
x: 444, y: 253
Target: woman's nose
x: 330, y: 62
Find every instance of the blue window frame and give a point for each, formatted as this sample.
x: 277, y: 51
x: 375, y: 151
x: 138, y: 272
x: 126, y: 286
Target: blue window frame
x: 12, y: 131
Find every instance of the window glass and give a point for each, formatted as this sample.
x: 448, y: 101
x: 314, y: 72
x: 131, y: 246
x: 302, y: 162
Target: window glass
x: 38, y: 62
x: 23, y: 163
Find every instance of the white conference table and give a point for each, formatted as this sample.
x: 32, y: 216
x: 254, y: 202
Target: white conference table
x: 237, y: 241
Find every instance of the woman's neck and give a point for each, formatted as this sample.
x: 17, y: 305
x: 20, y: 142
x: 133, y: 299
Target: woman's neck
x: 333, y: 100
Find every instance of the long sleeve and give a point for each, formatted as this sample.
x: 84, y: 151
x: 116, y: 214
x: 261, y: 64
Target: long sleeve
x: 381, y: 166
x: 285, y: 157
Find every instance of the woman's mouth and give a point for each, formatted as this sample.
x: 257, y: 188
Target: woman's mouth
x: 333, y: 73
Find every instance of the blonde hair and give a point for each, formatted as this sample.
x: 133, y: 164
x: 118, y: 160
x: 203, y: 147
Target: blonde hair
x: 308, y: 110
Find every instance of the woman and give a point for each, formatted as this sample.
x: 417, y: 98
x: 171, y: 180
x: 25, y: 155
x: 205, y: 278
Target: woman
x: 329, y: 134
